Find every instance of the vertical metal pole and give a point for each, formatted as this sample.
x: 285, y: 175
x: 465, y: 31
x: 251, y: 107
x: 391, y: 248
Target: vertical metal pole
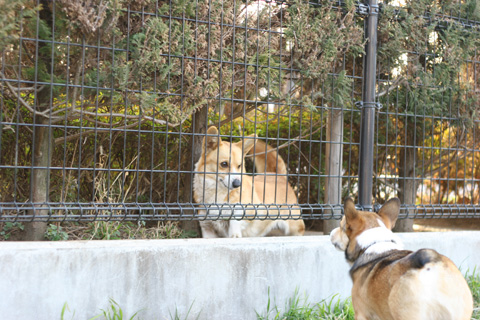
x: 368, y: 110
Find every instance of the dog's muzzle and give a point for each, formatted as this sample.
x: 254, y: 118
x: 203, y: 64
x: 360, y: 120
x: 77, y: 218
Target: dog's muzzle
x: 339, y: 239
x: 232, y: 181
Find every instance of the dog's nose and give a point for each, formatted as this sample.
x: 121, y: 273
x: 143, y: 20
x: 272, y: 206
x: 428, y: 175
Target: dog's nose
x: 236, y: 183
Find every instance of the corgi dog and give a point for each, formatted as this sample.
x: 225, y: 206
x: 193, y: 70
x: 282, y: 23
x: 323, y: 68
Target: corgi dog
x: 390, y: 283
x: 222, y: 185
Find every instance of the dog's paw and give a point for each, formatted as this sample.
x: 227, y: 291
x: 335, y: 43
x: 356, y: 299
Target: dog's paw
x: 236, y: 234
x: 235, y: 229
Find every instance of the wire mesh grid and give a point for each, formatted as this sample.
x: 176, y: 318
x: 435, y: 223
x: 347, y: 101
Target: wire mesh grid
x: 104, y: 110
x: 427, y: 132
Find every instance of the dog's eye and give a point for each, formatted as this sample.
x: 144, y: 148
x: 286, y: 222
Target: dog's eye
x: 239, y: 166
x: 224, y: 164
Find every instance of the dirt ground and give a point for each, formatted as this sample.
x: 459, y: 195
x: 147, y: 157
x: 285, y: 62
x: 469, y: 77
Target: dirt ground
x: 128, y: 231
x: 420, y: 225
x: 446, y: 224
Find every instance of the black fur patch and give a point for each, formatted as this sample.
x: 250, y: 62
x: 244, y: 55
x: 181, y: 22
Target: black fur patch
x: 377, y: 262
x: 423, y: 256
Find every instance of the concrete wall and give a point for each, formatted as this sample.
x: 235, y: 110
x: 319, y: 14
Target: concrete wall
x: 216, y: 278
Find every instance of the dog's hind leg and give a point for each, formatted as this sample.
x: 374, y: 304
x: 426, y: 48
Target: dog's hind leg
x: 207, y: 230
x: 297, y: 227
x: 276, y: 228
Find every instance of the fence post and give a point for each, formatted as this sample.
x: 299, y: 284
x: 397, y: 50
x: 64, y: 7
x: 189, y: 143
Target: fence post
x: 368, y: 106
x: 42, y: 144
x: 199, y: 129
x: 333, y: 164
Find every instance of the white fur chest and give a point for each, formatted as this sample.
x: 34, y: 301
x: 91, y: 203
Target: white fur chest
x: 208, y: 190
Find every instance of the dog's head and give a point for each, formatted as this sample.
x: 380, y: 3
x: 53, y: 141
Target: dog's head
x: 360, y: 230
x: 224, y: 161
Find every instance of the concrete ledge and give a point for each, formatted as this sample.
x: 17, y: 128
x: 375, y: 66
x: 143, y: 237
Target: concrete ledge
x: 216, y: 278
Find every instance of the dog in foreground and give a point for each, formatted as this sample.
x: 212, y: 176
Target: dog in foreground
x: 392, y: 283
x: 220, y: 179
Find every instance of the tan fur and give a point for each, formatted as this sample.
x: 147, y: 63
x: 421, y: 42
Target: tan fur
x: 267, y: 159
x: 210, y: 187
x: 396, y: 284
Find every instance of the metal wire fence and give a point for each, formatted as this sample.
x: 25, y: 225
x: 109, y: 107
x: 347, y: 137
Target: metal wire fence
x: 104, y: 107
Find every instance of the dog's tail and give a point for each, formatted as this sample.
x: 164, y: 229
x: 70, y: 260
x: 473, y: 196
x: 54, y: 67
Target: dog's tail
x: 267, y: 159
x: 423, y: 256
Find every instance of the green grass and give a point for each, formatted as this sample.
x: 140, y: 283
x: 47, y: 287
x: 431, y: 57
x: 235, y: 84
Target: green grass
x: 299, y: 308
x: 113, y: 312
x: 296, y: 308
x: 177, y: 316
x: 473, y: 280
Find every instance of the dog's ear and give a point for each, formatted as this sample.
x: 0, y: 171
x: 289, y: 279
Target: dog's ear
x: 351, y: 213
x: 354, y: 219
x: 389, y: 212
x: 248, y: 143
x: 212, y: 139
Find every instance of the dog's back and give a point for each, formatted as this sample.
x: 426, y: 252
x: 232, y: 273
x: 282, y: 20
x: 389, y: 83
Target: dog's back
x: 412, y: 285
x: 267, y: 159
x: 271, y: 170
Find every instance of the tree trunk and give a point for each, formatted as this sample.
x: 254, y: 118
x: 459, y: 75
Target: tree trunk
x: 333, y: 163
x: 200, y: 122
x: 407, y: 185
x: 42, y: 147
